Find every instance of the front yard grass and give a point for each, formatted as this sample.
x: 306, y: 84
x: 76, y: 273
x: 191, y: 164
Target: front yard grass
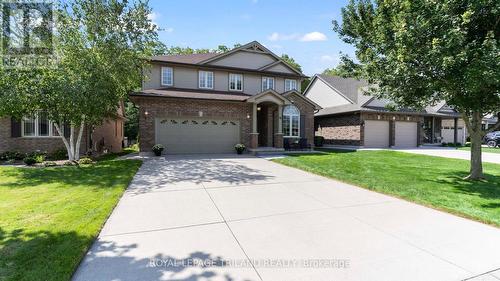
x: 483, y: 149
x: 50, y: 216
x: 432, y: 181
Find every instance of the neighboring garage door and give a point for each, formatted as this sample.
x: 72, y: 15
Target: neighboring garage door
x: 376, y: 133
x: 197, y: 135
x: 406, y: 134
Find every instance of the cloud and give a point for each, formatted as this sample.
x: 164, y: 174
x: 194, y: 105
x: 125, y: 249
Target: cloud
x: 153, y: 17
x: 168, y: 29
x: 327, y: 58
x: 246, y: 17
x: 308, y: 37
x: 275, y: 36
x: 313, y: 36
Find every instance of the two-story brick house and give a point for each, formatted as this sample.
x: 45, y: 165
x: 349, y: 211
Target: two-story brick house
x: 207, y: 103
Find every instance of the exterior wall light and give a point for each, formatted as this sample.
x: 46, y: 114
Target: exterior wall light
x: 200, y: 113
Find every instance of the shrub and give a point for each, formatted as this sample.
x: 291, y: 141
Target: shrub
x: 467, y: 144
x: 318, y: 141
x: 85, y: 161
x: 49, y: 164
x: 69, y: 163
x: 239, y: 148
x: 158, y: 149
x: 59, y: 154
x: 444, y: 144
x: 30, y: 161
x: 12, y: 155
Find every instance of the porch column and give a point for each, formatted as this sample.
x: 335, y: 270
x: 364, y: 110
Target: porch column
x: 280, y: 119
x: 455, y: 130
x: 254, y: 135
x: 278, y: 137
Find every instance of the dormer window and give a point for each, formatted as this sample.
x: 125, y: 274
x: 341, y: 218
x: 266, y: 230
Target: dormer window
x: 206, y: 80
x: 290, y: 84
x: 267, y: 83
x: 167, y: 76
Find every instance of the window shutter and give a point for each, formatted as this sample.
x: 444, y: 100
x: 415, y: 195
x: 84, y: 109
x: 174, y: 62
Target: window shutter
x: 302, y: 126
x: 67, y: 130
x: 15, y: 128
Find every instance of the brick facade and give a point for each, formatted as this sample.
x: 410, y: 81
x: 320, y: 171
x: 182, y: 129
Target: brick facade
x: 340, y: 129
x: 306, y: 112
x: 30, y: 144
x: 108, y: 135
x: 161, y: 107
x: 174, y: 107
x: 348, y: 129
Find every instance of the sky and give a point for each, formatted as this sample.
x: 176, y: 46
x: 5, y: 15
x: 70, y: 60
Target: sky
x: 302, y: 29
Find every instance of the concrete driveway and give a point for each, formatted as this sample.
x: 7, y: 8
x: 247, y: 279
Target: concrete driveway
x: 451, y: 153
x: 246, y: 218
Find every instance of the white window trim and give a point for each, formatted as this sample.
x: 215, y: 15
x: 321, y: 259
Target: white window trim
x: 206, y: 81
x: 296, y: 85
x: 268, y: 78
x: 161, y: 76
x: 236, y: 84
x: 37, y: 129
x: 289, y: 117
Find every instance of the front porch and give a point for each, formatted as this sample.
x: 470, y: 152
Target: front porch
x: 439, y: 129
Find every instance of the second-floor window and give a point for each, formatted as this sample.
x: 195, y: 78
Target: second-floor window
x: 206, y: 80
x: 290, y: 84
x: 167, y: 76
x: 235, y: 82
x: 267, y: 83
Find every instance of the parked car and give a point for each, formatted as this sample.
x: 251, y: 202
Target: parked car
x: 492, y: 139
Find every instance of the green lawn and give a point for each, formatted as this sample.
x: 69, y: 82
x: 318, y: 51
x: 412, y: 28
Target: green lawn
x: 50, y: 216
x: 484, y: 149
x: 431, y: 181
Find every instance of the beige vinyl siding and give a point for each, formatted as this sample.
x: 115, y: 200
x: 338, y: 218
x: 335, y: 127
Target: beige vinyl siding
x: 245, y: 60
x: 324, y: 95
x: 280, y: 68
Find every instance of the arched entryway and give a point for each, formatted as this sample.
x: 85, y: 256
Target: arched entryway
x: 267, y: 119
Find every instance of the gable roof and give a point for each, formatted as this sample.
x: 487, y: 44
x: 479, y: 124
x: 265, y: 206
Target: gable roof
x: 205, y: 59
x: 187, y: 58
x: 348, y: 87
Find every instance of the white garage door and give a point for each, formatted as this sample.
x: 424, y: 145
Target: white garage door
x: 406, y: 134
x: 197, y: 135
x: 376, y: 133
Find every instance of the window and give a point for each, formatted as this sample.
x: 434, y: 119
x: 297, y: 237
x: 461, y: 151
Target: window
x: 206, y: 80
x: 39, y: 125
x: 291, y: 116
x: 267, y: 83
x: 235, y: 82
x: 290, y: 84
x: 167, y: 76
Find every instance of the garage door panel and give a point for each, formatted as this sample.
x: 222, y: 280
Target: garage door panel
x: 406, y: 134
x: 376, y: 133
x: 197, y: 135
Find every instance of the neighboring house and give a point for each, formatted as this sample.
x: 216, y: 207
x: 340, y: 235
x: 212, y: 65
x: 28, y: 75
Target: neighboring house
x: 37, y: 133
x: 207, y: 103
x: 352, y: 117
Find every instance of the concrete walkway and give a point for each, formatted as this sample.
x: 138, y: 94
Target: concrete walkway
x: 453, y: 153
x: 247, y: 218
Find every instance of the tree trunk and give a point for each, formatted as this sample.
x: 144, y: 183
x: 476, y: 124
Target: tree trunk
x: 66, y: 144
x: 476, y: 136
x: 476, y: 164
x: 79, y: 141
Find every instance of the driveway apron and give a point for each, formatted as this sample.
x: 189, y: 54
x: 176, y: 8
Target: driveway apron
x: 225, y: 217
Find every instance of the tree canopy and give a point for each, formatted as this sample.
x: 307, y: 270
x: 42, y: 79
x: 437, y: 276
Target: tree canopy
x: 101, y: 50
x: 420, y: 52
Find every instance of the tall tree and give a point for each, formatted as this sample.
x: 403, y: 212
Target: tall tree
x: 288, y: 59
x: 101, y: 50
x: 420, y: 52
x: 346, y: 68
